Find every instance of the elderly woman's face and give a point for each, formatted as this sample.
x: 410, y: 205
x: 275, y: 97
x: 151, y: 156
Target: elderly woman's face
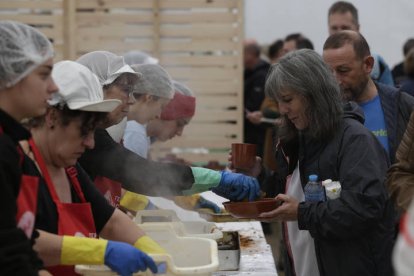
x: 122, y: 110
x: 293, y: 106
x: 67, y: 143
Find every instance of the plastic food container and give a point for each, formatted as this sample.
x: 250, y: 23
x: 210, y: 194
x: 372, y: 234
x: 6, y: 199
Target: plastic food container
x: 201, y: 229
x: 186, y: 255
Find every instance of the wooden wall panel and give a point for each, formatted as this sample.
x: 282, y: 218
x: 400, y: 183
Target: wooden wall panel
x: 197, y: 41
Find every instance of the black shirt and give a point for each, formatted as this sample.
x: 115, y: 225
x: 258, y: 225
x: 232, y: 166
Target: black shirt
x: 16, y: 254
x: 136, y: 174
x: 47, y: 217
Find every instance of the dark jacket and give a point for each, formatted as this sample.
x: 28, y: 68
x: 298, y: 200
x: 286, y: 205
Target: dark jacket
x: 397, y: 107
x: 17, y: 256
x: 353, y: 234
x: 136, y: 174
x: 254, y: 83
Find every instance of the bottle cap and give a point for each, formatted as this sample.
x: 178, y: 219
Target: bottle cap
x: 313, y: 177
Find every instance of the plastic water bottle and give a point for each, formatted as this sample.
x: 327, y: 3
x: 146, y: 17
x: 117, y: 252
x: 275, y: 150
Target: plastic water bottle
x: 314, y: 191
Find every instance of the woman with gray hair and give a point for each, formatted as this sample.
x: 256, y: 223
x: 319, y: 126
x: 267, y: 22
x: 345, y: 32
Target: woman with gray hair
x: 350, y: 230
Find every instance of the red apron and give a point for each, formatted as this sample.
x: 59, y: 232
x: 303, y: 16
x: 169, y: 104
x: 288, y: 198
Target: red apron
x: 26, y: 199
x: 74, y: 219
x: 110, y: 189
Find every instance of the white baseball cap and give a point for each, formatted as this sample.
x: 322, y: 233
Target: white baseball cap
x: 79, y: 88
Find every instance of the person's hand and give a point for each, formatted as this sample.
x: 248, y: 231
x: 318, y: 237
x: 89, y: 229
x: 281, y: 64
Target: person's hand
x: 44, y: 273
x: 237, y: 187
x: 196, y: 201
x: 287, y: 211
x: 254, y: 117
x: 254, y: 171
x: 126, y: 259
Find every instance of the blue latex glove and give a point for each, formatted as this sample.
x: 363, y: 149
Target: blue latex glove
x: 125, y: 259
x: 204, y: 203
x: 236, y: 187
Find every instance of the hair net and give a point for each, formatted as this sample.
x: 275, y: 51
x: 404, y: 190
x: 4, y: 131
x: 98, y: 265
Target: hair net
x: 181, y: 88
x: 22, y: 50
x: 138, y: 57
x: 105, y: 65
x: 154, y: 81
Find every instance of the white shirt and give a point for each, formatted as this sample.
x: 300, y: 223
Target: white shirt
x: 301, y: 242
x: 136, y: 139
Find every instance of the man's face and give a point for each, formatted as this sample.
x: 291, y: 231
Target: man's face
x: 340, y: 22
x: 351, y: 73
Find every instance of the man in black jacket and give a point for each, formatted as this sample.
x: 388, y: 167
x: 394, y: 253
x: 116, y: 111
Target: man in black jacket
x: 386, y: 110
x: 255, y: 71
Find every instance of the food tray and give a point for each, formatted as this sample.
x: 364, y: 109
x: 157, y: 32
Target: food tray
x: 185, y: 255
x: 200, y: 229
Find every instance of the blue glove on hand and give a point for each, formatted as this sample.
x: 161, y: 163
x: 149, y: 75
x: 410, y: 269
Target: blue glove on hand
x: 236, y: 187
x: 126, y: 259
x: 205, y: 203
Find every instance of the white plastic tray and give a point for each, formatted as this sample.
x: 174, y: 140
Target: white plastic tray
x: 202, y: 229
x: 186, y: 255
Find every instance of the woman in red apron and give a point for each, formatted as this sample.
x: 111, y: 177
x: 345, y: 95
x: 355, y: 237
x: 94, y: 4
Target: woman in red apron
x: 69, y: 204
x: 25, y: 85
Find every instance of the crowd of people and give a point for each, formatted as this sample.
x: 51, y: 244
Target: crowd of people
x: 75, y: 138
x: 345, y: 116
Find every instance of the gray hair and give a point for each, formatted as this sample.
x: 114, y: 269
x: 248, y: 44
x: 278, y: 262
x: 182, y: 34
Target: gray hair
x: 304, y: 72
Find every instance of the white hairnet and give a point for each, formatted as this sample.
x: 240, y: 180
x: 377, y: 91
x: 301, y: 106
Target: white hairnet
x: 154, y: 81
x: 138, y: 57
x: 181, y: 88
x: 22, y: 50
x: 105, y: 65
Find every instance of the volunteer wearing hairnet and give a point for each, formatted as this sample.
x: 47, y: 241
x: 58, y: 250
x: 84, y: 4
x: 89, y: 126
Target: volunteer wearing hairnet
x: 174, y: 116
x: 110, y: 160
x: 118, y: 81
x: 69, y: 204
x: 154, y: 90
x: 25, y: 86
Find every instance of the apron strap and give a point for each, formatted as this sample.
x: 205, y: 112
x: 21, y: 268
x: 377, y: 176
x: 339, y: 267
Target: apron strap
x: 73, y: 175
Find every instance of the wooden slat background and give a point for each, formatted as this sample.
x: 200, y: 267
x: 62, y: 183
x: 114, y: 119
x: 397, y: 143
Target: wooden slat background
x: 197, y: 41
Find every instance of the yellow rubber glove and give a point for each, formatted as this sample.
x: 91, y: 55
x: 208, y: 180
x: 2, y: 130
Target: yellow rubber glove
x: 80, y: 250
x: 135, y: 202
x: 149, y: 246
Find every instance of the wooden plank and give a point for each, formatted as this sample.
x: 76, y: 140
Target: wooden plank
x: 205, y: 73
x: 217, y: 116
x: 211, y: 129
x: 192, y: 142
x: 185, y: 4
x: 47, y: 5
x: 70, y: 30
x: 199, y: 17
x: 198, y: 45
x: 116, y: 31
x: 217, y: 101
x: 108, y: 4
x: 85, y: 18
x: 219, y: 87
x: 200, y: 31
x: 33, y: 19
x: 118, y: 47
x: 199, y: 60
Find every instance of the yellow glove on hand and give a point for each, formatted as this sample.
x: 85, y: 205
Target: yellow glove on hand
x: 133, y: 201
x: 80, y: 250
x: 148, y: 245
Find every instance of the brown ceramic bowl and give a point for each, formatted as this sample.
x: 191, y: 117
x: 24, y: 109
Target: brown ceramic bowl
x: 251, y: 209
